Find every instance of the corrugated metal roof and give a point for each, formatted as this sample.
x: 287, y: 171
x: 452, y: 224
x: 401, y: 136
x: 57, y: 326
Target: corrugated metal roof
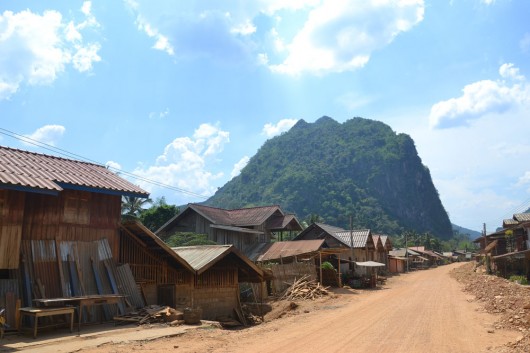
x: 522, y: 217
x: 199, y: 257
x: 284, y: 249
x: 202, y: 257
x: 509, y: 222
x: 377, y: 242
x: 288, y: 221
x: 360, y: 237
x: 26, y: 169
x: 238, y: 217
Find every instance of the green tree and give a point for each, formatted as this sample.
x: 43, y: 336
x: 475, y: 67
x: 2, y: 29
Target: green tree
x: 133, y: 206
x: 188, y: 239
x: 158, y: 214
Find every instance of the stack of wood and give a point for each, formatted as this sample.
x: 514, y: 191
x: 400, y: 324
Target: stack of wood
x: 153, y: 314
x: 304, y: 289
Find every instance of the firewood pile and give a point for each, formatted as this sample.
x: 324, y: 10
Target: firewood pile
x: 304, y: 289
x: 153, y: 314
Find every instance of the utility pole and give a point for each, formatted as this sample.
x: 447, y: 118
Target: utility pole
x: 351, y: 244
x: 407, y: 250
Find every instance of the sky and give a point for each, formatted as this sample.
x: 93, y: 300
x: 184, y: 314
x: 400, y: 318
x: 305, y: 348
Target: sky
x: 181, y: 94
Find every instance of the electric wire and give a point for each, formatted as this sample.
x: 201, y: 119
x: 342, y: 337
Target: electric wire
x: 65, y: 153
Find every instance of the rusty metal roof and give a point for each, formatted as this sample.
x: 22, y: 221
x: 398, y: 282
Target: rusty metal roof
x: 287, y: 222
x: 284, y: 249
x: 242, y: 217
x: 238, y: 217
x: 30, y: 171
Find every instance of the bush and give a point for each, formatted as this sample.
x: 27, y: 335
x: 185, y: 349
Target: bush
x: 327, y: 266
x: 518, y: 279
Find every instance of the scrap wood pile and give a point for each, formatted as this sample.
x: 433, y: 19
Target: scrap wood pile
x: 152, y: 314
x: 304, y: 289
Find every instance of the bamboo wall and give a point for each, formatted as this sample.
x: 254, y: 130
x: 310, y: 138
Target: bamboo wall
x: 286, y: 274
x: 147, y: 267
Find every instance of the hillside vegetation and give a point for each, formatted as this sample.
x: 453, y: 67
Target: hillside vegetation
x: 360, y: 168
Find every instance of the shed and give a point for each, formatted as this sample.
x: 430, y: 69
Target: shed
x: 218, y: 270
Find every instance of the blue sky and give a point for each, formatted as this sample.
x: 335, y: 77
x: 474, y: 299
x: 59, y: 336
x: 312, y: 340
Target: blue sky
x: 183, y: 92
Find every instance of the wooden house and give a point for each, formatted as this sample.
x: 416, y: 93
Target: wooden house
x: 240, y: 227
x: 381, y: 250
x: 218, y: 271
x: 57, y: 216
x: 359, y: 242
x: 509, y: 248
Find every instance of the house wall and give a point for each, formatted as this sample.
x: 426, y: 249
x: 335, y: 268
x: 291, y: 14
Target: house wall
x: 396, y: 265
x: 11, y: 217
x: 72, y: 215
x: 215, y: 291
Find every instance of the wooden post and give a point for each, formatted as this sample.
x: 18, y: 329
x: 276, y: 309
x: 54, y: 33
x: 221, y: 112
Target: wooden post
x: 320, y: 255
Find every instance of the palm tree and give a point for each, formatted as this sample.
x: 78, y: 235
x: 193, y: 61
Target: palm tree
x: 133, y: 206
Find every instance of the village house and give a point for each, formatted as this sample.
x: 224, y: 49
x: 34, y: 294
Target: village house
x: 219, y: 269
x: 59, y: 225
x: 384, y: 245
x: 62, y: 244
x: 242, y: 227
x: 359, y: 242
x: 509, y: 247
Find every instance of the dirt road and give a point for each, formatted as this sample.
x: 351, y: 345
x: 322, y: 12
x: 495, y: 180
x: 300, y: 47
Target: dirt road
x: 424, y: 311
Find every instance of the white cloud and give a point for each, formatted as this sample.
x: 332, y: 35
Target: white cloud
x: 481, y: 98
x: 291, y: 37
x: 487, y: 2
x: 49, y: 134
x: 341, y: 35
x: 36, y: 48
x: 283, y: 125
x: 186, y: 161
x: 239, y: 166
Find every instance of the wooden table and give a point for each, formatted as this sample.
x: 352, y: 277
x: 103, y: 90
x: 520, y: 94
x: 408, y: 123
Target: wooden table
x: 80, y: 302
x: 41, y: 312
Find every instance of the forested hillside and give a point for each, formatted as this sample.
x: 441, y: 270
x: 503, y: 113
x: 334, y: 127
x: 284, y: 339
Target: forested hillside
x: 360, y: 168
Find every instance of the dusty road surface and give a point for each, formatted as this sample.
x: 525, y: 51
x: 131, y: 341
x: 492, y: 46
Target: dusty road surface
x: 424, y: 311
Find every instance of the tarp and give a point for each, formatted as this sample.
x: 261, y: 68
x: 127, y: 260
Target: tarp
x: 370, y: 264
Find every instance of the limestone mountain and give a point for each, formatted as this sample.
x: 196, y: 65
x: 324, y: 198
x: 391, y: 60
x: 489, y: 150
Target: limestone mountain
x: 360, y: 168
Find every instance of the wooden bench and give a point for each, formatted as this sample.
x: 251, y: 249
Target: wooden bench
x: 40, y: 312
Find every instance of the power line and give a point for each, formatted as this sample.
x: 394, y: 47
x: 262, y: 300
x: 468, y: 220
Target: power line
x: 69, y: 154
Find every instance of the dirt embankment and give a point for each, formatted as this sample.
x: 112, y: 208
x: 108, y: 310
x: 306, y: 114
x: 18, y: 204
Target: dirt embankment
x: 496, y: 295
